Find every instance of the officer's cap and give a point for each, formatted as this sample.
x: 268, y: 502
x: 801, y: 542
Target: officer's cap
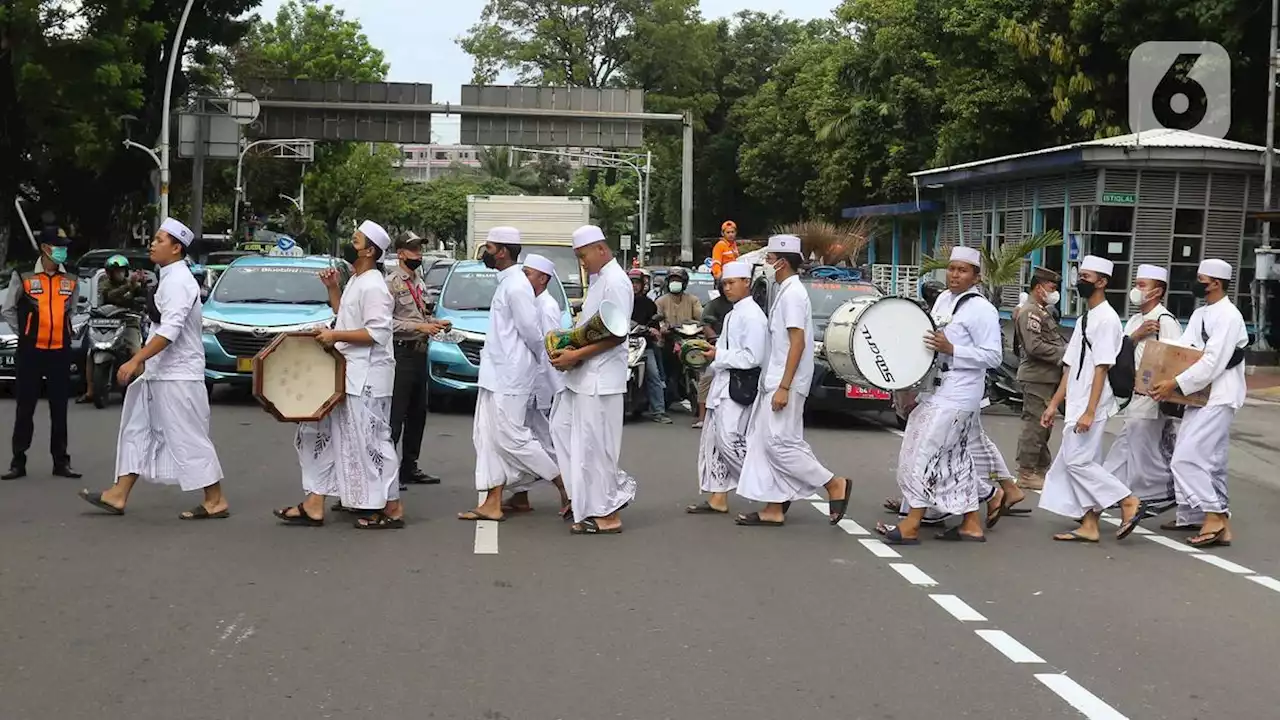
x: 1044, y: 274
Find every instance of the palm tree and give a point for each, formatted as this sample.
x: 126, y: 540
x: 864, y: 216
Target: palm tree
x: 1002, y: 269
x: 831, y: 242
x: 500, y: 163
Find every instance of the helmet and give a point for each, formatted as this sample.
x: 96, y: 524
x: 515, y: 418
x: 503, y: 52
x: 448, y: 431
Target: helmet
x: 119, y: 261
x: 678, y: 272
x: 636, y: 273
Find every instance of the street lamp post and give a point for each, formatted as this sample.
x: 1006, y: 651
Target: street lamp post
x: 164, y: 119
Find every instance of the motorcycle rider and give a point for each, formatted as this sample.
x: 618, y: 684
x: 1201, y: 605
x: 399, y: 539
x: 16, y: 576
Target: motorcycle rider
x: 677, y: 307
x: 643, y: 313
x: 121, y: 289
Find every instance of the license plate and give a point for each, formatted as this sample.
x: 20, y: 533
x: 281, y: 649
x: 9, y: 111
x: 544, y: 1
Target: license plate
x: 244, y: 364
x: 105, y: 323
x: 8, y: 360
x: 856, y: 392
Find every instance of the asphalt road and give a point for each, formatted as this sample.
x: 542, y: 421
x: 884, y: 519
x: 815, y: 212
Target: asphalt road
x: 681, y: 617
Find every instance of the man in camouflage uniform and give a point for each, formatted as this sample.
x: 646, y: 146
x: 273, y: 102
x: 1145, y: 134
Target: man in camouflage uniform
x: 1040, y: 345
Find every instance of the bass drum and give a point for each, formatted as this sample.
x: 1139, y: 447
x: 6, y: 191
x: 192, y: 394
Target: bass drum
x: 880, y: 343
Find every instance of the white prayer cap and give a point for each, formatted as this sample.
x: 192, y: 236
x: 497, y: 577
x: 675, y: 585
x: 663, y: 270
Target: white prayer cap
x: 960, y: 253
x: 735, y: 269
x: 178, y: 231
x: 587, y: 235
x: 1215, y: 268
x: 539, y: 263
x: 375, y: 234
x: 504, y: 235
x: 783, y: 244
x: 1153, y: 272
x: 1093, y: 263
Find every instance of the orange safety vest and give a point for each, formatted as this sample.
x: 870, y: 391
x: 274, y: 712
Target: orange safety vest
x: 44, y: 310
x: 722, y: 254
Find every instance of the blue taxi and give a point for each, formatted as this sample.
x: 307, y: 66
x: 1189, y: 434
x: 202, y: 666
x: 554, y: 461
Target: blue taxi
x: 255, y: 299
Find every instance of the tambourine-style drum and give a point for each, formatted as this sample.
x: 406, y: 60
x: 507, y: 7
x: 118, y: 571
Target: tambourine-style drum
x: 297, y: 379
x: 880, y: 343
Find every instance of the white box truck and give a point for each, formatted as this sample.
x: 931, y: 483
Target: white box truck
x: 546, y: 225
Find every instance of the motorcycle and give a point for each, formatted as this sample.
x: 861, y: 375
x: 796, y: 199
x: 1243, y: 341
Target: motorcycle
x: 688, y: 381
x: 109, y: 347
x: 637, y: 343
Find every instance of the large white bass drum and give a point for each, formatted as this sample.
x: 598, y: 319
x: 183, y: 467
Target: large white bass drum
x: 880, y: 343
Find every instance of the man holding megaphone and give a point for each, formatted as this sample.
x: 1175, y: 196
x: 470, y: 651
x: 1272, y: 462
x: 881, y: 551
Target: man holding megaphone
x: 586, y: 421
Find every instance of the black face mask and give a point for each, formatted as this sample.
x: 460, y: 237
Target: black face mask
x: 413, y: 264
x: 1199, y: 291
x: 349, y: 253
x: 489, y: 260
x: 1086, y: 289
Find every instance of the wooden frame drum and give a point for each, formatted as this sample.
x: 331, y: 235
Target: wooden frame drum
x: 297, y: 379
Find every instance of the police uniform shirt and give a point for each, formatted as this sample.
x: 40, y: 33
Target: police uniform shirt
x: 409, y: 293
x: 1042, y: 344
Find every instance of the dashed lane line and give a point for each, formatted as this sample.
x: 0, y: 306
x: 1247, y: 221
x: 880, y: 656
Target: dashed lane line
x: 1010, y: 648
x: 1088, y: 704
x: 958, y: 608
x: 486, y: 533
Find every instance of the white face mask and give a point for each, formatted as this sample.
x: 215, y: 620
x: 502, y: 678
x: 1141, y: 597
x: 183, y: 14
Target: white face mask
x: 771, y: 272
x: 1136, y: 296
x: 676, y: 287
x: 1052, y: 298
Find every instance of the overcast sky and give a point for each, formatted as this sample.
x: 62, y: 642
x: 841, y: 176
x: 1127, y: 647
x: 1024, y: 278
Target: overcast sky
x: 418, y: 37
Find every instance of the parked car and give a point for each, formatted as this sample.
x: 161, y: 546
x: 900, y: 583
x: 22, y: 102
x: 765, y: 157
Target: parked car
x: 257, y: 298
x: 454, y: 368
x: 433, y: 276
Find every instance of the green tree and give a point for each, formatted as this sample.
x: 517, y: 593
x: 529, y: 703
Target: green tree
x: 505, y: 165
x: 438, y: 209
x: 311, y: 41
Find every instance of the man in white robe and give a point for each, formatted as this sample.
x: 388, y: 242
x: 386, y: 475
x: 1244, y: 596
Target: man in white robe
x: 349, y: 453
x: 548, y: 383
x: 1199, y: 462
x: 586, y: 421
x: 741, y: 348
x: 1141, y: 454
x: 1077, y: 486
x: 943, y: 447
x: 506, y: 448
x: 780, y: 467
x: 164, y: 426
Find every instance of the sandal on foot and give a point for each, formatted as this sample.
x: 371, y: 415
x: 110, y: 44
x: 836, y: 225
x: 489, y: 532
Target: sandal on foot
x: 754, y: 520
x: 705, y: 508
x: 954, y: 535
x: 1013, y: 509
x: 993, y: 516
x: 786, y: 506
x: 566, y: 513
x: 199, y: 512
x: 302, y: 519
x: 477, y: 516
x: 893, y: 505
x: 591, y: 527
x: 893, y: 535
x: 1173, y: 526
x: 1209, y: 539
x: 95, y: 499
x: 1074, y: 536
x: 379, y: 521
x: 838, y: 508
x: 1132, y: 523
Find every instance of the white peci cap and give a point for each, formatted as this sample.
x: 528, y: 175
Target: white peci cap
x: 541, y: 264
x: 1215, y: 268
x: 783, y: 244
x: 178, y: 231
x: 375, y: 234
x: 587, y: 235
x: 1093, y: 263
x: 735, y: 269
x: 504, y: 235
x: 1152, y: 272
x: 960, y: 253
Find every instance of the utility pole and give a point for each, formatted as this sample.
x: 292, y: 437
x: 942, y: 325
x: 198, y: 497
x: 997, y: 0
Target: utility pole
x: 1260, y: 307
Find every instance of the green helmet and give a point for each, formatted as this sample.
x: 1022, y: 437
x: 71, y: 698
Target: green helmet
x: 119, y: 261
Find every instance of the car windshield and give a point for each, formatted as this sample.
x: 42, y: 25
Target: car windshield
x: 224, y: 257
x: 474, y: 289
x: 701, y: 288
x: 277, y: 284
x: 435, y: 276
x: 825, y: 297
x: 568, y: 270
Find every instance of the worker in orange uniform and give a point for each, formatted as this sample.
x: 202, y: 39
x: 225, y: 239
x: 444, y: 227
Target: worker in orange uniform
x: 38, y: 308
x: 725, y: 251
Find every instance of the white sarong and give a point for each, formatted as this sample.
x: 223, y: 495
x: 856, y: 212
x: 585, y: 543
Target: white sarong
x: 1076, y: 482
x: 1141, y: 455
x: 349, y: 454
x: 936, y: 467
x: 540, y: 425
x: 723, y: 447
x: 1199, y: 462
x: 779, y: 466
x: 989, y: 468
x: 506, y: 449
x: 588, y: 442
x: 164, y: 434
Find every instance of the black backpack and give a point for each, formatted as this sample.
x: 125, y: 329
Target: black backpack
x: 1124, y: 373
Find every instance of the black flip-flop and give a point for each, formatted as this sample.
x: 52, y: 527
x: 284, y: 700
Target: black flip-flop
x: 1013, y: 509
x: 477, y: 516
x: 893, y: 536
x: 302, y: 519
x: 839, y: 507
x: 753, y: 520
x: 704, y: 508
x: 786, y: 506
x: 200, y: 513
x: 566, y: 513
x: 1209, y: 540
x: 1173, y: 526
x: 1073, y: 536
x: 993, y: 517
x: 95, y: 499
x: 1127, y: 527
x: 954, y: 535
x: 591, y: 527
x: 379, y: 521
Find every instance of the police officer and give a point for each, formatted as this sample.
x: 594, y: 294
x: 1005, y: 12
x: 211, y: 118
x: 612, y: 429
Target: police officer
x: 1041, y: 346
x: 412, y: 325
x: 39, y: 308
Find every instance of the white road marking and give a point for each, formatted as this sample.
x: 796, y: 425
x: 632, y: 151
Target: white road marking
x: 913, y: 574
x: 1142, y: 531
x: 1012, y: 649
x: 958, y: 608
x: 852, y: 527
x: 1110, y: 520
x: 1266, y: 582
x: 1089, y: 705
x: 1224, y: 564
x: 486, y: 533
x: 878, y: 548
x: 1172, y: 544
